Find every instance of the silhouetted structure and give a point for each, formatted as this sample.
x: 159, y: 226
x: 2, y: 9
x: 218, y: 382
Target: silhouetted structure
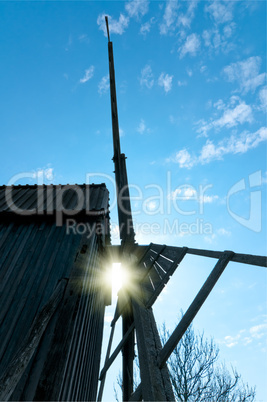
x: 52, y: 293
x: 54, y: 241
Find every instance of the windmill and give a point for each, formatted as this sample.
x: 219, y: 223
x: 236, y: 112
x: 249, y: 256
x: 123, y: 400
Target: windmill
x: 153, y: 266
x: 52, y: 294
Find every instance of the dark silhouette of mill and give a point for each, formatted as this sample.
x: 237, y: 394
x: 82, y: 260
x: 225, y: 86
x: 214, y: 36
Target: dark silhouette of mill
x: 53, y: 296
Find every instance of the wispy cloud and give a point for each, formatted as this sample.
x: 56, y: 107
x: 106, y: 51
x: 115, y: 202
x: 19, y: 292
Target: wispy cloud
x: 210, y: 151
x: 137, y: 8
x: 191, y: 45
x: 147, y: 78
x: 88, y: 75
x: 232, y: 145
x: 103, y: 85
x: 165, y: 81
x: 246, y: 336
x: 44, y: 175
x: 84, y: 38
x: 231, y: 117
x: 69, y: 43
x: 246, y: 74
x: 185, y: 19
x: 181, y: 83
x: 216, y: 40
x: 224, y: 232
x: 115, y: 26
x: 263, y: 98
x: 142, y: 127
x: 221, y: 12
x: 145, y: 28
x: 183, y: 158
x: 169, y: 17
x: 190, y: 193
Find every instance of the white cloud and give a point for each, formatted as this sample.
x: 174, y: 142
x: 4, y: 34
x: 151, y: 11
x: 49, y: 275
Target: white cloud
x: 210, y: 239
x: 186, y: 19
x: 137, y: 8
x: 183, y: 158
x: 84, y: 38
x: 88, y: 75
x: 221, y: 12
x: 165, y: 81
x: 246, y: 74
x: 210, y: 151
x: 169, y: 18
x: 181, y: 83
x: 217, y: 40
x: 189, y: 72
x: 246, y: 336
x: 263, y: 98
x: 103, y: 85
x: 190, y: 46
x: 258, y: 331
x: 115, y: 26
x: 145, y: 28
x: 229, y: 29
x: 183, y: 193
x: 69, y: 44
x: 207, y: 199
x: 43, y: 175
x: 122, y: 132
x: 224, y: 232
x: 232, y: 116
x: 142, y: 128
x: 232, y: 145
x: 147, y: 78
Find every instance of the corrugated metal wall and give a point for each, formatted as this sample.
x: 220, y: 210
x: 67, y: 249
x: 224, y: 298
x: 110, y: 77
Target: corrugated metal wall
x: 34, y: 256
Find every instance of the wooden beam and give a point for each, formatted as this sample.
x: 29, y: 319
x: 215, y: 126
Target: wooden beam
x: 156, y: 385
x: 166, y: 277
x: 19, y: 363
x: 194, y: 307
x: 110, y: 360
x: 137, y: 394
x: 250, y: 259
x: 103, y: 372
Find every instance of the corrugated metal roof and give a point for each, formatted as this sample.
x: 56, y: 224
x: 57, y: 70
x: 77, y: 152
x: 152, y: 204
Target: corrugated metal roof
x: 47, y: 199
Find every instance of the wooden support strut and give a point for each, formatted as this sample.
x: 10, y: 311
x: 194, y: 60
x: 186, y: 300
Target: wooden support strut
x: 111, y: 359
x: 19, y: 363
x: 103, y: 372
x: 194, y: 307
x: 155, y: 381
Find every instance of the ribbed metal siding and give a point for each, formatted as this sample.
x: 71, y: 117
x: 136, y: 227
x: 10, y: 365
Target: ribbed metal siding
x: 33, y: 259
x: 34, y: 256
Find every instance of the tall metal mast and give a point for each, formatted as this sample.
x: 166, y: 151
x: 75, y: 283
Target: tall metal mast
x: 125, y: 225
x: 123, y: 197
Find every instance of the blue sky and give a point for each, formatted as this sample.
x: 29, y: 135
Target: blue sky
x: 191, y: 89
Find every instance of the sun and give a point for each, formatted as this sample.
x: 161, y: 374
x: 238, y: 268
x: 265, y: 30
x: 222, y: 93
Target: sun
x: 119, y: 278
